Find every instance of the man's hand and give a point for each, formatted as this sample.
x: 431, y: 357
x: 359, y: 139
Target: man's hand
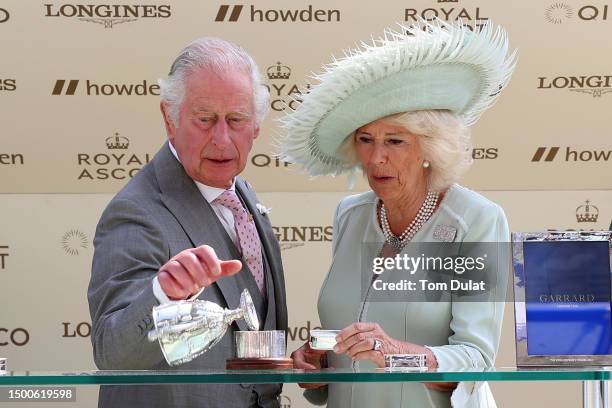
x: 193, y: 269
x: 306, y: 358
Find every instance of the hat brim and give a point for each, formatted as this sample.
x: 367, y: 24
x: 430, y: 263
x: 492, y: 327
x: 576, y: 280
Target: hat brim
x: 445, y: 86
x: 429, y: 65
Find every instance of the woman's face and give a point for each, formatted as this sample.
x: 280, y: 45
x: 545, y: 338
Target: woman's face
x: 392, y: 159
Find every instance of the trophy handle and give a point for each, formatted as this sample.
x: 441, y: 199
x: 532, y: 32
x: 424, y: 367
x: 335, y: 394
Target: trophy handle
x: 250, y: 314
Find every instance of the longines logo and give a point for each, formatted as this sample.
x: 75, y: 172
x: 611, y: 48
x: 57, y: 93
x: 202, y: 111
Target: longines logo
x: 233, y: 13
x: 91, y: 88
x: 108, y: 15
x: 74, y: 241
x: 284, y: 401
x: 4, y: 15
x: 559, y: 13
x: 11, y: 159
x: 116, y: 163
x: 17, y: 337
x: 549, y: 154
x: 301, y: 333
x: 4, y: 253
x: 485, y: 153
x: 594, y: 85
x: 82, y: 329
x: 8, y: 84
x: 448, y: 10
x: 283, y: 94
x: 587, y: 212
x: 297, y: 236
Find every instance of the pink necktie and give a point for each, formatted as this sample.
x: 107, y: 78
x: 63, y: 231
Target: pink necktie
x: 247, y: 236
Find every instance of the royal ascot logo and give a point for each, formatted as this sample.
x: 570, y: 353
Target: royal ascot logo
x: 116, y: 163
x: 570, y: 154
x: 108, y: 15
x: 11, y: 159
x: 4, y: 15
x: 4, y: 253
x: 90, y: 88
x: 587, y: 212
x: 559, y: 13
x: 284, y: 401
x: 296, y: 236
x: 485, y: 153
x: 7, y: 85
x: 74, y: 241
x: 250, y: 13
x: 594, y: 85
x: 448, y: 10
x: 16, y: 337
x: 284, y: 94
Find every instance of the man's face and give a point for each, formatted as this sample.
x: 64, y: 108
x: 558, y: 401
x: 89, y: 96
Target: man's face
x: 216, y: 126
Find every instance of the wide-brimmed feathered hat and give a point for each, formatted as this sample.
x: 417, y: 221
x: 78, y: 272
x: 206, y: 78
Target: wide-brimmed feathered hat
x: 427, y: 65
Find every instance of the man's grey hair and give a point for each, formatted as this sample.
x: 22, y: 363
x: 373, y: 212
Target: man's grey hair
x: 218, y: 56
x: 444, y: 138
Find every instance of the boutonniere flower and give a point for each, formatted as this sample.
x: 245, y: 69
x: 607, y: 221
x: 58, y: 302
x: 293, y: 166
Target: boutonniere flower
x: 263, y: 210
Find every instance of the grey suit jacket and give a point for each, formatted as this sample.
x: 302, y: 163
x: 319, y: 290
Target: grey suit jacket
x: 159, y: 213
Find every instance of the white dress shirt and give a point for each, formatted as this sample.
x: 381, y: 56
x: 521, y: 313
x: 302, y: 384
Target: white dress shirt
x: 224, y: 214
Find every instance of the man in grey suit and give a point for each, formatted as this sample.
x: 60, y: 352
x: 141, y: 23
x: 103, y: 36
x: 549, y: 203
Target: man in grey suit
x: 173, y: 232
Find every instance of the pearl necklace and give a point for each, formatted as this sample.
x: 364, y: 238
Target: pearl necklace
x: 426, y: 210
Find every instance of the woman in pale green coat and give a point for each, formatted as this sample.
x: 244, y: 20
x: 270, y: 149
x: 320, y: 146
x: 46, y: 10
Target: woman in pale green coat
x: 399, y: 111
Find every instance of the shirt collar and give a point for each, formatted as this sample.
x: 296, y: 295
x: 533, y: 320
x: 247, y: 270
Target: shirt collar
x: 208, y: 192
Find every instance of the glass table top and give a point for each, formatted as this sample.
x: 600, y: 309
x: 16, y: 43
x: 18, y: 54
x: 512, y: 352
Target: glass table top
x: 301, y: 376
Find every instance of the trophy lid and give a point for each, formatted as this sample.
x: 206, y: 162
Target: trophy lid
x: 250, y: 314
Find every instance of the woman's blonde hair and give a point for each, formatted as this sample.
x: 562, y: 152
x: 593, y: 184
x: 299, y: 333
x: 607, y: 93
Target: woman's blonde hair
x: 444, y: 139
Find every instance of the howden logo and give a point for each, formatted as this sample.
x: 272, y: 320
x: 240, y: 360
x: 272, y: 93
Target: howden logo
x: 232, y: 14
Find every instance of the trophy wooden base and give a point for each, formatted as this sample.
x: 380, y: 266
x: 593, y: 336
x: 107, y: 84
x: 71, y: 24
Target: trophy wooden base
x: 259, y: 364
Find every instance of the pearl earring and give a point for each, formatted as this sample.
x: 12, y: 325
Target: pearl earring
x: 425, y: 164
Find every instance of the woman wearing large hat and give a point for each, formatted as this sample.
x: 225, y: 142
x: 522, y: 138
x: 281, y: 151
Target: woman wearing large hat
x: 399, y: 110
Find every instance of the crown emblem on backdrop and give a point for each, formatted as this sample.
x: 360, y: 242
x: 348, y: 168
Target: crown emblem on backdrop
x: 278, y: 71
x: 448, y: 1
x: 117, y: 142
x: 587, y: 212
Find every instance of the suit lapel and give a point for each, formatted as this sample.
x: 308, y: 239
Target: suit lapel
x: 197, y: 218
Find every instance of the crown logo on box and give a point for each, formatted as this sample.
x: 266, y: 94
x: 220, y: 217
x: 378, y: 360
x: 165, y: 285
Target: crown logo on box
x: 278, y: 71
x: 117, y: 142
x: 587, y: 212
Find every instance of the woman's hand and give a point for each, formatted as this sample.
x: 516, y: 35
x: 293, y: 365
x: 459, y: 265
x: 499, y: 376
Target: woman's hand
x: 306, y: 358
x: 358, y: 340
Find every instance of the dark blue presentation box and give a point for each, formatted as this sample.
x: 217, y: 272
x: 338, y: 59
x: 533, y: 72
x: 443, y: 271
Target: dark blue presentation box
x: 563, y: 298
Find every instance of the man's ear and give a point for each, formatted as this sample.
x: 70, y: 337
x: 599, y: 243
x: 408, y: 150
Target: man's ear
x: 168, y: 122
x: 256, y: 132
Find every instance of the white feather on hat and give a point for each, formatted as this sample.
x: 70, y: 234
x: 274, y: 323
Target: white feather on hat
x: 427, y: 65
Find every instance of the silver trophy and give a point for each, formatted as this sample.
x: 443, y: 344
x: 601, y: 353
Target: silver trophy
x: 187, y: 329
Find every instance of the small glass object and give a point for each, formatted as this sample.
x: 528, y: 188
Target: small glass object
x: 405, y: 362
x: 323, y: 339
x: 260, y: 344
